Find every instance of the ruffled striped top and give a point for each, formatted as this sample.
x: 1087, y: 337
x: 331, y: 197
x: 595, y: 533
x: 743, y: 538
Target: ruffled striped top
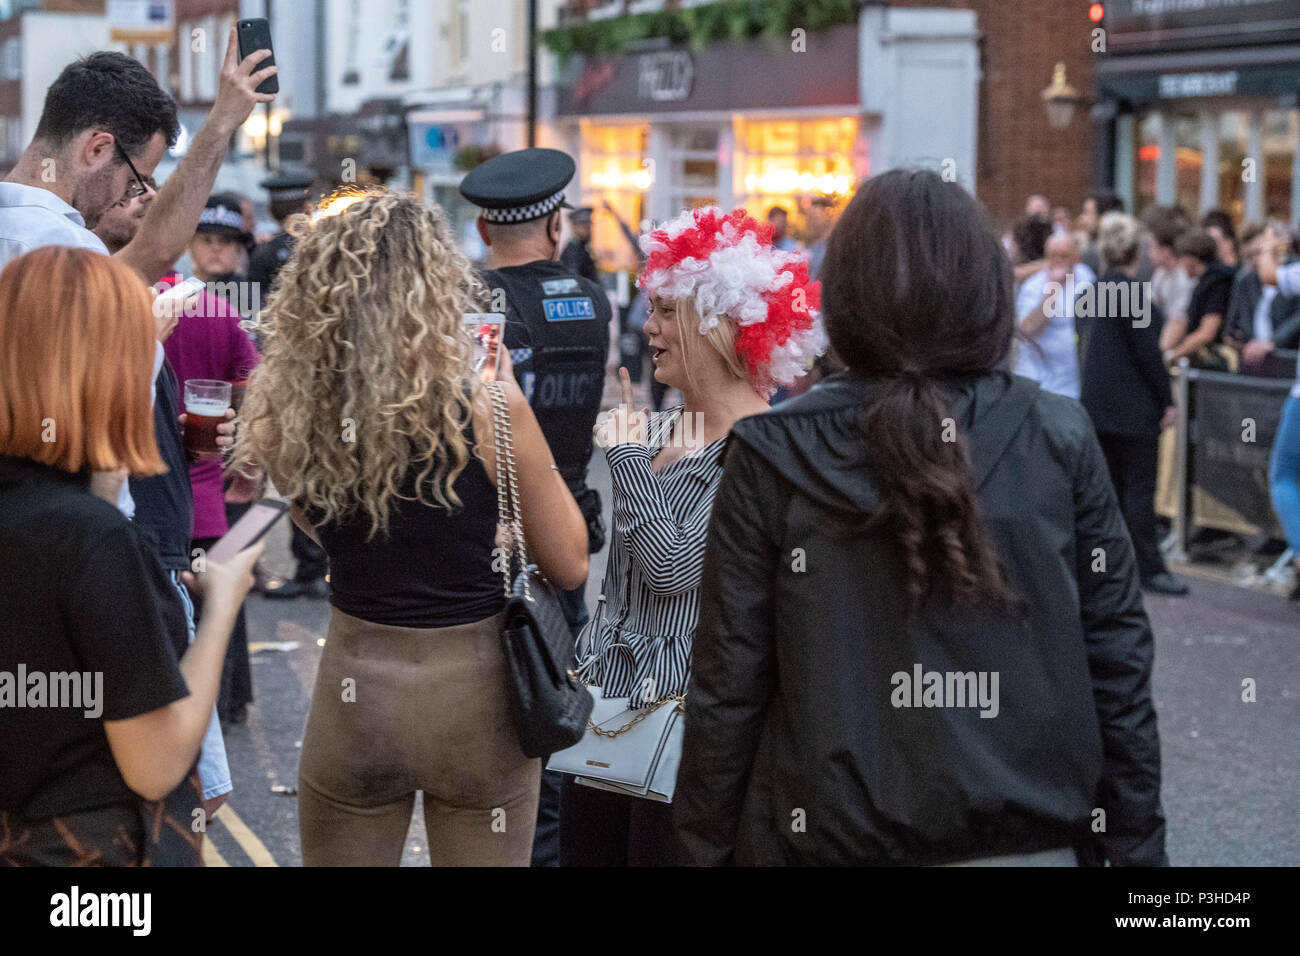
x: 638, y: 643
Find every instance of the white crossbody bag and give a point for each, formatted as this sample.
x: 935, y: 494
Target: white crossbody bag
x: 627, y: 750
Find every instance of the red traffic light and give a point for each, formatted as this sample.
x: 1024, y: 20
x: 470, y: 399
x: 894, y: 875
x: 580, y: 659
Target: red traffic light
x: 1096, y: 12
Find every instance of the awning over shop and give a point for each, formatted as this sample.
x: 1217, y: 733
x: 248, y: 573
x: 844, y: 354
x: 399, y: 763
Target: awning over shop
x: 1270, y: 72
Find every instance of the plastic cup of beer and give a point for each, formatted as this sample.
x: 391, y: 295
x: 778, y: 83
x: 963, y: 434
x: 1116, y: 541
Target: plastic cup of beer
x: 206, y: 402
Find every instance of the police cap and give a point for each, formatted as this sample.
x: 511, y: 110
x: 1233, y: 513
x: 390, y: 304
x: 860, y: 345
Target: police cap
x: 287, y: 187
x: 521, y: 186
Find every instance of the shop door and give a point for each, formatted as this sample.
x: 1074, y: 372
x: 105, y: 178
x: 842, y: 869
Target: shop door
x: 693, y: 166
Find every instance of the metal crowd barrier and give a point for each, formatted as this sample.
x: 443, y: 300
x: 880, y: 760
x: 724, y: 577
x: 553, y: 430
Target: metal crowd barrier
x: 1223, y: 439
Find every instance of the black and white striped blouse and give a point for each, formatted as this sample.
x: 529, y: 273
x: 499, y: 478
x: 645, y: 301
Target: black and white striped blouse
x: 638, y: 644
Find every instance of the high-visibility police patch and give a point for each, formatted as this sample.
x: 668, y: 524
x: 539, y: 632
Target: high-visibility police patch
x: 566, y: 286
x: 568, y: 310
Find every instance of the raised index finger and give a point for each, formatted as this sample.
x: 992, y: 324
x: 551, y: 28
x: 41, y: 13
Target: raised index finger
x: 232, y: 52
x: 625, y: 386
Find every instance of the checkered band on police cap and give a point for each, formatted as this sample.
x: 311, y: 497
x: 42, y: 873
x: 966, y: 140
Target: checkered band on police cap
x: 527, y: 213
x: 222, y: 216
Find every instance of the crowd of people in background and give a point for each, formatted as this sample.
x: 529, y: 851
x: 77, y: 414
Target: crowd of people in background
x: 780, y: 553
x: 1208, y: 301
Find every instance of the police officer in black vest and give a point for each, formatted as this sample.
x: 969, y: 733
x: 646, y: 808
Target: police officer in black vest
x: 557, y: 330
x: 288, y: 195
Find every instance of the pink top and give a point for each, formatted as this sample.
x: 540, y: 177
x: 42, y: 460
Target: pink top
x: 208, y: 343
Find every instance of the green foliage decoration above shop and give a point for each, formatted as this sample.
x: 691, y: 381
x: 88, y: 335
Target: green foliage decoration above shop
x: 701, y: 26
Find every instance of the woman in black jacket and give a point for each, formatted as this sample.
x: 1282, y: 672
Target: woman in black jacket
x: 921, y: 637
x: 1125, y: 388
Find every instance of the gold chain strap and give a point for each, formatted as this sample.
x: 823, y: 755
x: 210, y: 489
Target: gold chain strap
x: 509, y: 514
x: 678, y: 699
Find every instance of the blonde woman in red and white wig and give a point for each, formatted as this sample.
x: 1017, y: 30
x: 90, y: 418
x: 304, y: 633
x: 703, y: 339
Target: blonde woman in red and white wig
x: 731, y: 318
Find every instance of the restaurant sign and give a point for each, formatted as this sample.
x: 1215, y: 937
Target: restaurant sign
x: 656, y: 76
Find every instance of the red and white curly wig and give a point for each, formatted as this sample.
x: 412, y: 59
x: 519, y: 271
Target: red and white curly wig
x: 727, y: 266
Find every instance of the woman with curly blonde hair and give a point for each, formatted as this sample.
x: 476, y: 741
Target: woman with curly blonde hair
x: 367, y: 415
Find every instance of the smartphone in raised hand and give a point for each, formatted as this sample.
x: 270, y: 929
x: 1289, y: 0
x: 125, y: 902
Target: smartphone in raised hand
x: 255, y: 34
x: 486, y: 329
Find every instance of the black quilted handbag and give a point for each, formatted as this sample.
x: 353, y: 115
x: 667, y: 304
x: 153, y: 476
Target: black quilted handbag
x: 548, y: 705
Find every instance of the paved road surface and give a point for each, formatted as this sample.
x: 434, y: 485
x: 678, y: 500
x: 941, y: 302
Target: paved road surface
x: 1231, y: 770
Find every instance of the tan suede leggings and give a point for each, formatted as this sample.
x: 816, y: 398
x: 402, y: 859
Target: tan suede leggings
x: 396, y: 710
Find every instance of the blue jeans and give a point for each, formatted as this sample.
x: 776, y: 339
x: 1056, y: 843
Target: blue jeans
x: 214, y: 769
x: 1284, y: 470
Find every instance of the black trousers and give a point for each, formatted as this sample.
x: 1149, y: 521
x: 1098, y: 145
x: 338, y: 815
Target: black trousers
x: 312, y: 561
x: 546, y: 837
x: 1132, y: 461
x: 599, y: 828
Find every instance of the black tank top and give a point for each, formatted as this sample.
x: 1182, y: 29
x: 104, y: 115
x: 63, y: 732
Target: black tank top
x: 433, y: 567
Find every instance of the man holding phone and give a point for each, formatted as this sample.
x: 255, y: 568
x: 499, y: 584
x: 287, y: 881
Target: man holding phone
x: 164, y: 510
x: 105, y: 126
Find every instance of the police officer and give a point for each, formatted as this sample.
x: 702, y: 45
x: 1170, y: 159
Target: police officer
x: 557, y: 330
x: 288, y: 195
x: 577, y: 254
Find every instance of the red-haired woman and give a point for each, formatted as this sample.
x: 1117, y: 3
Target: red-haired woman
x: 102, y: 705
x: 731, y: 317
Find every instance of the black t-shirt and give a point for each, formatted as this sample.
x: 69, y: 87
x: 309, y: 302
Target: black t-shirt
x: 433, y: 568
x: 1210, y: 296
x: 164, y: 504
x: 79, y: 593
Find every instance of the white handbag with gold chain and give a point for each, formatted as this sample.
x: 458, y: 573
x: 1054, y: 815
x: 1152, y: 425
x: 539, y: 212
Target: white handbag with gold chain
x: 628, y: 750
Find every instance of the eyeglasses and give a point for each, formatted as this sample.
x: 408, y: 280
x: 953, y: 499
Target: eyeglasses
x: 139, y: 187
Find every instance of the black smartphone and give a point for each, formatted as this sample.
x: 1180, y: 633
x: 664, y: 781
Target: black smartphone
x: 249, y: 529
x: 255, y: 34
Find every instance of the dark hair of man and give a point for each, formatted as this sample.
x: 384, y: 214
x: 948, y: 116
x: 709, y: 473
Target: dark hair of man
x: 917, y: 289
x: 1106, y: 201
x: 112, y: 93
x: 1199, y: 245
x: 1217, y: 217
x: 776, y: 211
x: 1031, y: 235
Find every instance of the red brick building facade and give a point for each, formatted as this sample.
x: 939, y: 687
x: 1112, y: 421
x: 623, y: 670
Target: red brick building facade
x: 1019, y: 152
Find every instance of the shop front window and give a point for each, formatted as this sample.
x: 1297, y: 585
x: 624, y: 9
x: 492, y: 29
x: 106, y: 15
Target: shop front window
x: 1187, y: 162
x: 1146, y: 159
x: 693, y: 167
x: 1234, y: 149
x: 615, y: 170
x: 1281, y: 135
x: 788, y: 163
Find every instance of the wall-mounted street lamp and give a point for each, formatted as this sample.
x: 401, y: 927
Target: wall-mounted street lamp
x: 1060, y: 98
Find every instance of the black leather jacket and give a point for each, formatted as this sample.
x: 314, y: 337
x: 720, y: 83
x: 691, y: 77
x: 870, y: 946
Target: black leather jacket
x: 795, y: 748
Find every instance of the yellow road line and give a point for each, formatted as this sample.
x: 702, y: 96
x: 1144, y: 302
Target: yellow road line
x: 211, y: 856
x: 246, y: 838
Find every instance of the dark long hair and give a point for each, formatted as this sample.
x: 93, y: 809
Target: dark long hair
x: 916, y: 289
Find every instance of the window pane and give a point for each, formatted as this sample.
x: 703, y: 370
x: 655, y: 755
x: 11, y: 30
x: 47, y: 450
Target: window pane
x: 1281, y: 134
x: 1233, y: 148
x: 1187, y: 163
x: 1145, y: 158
